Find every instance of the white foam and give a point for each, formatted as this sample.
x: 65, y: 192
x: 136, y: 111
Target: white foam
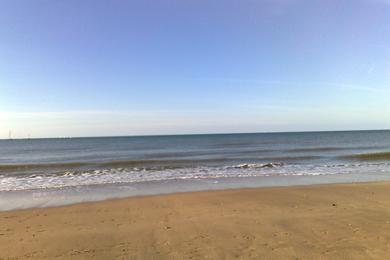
x: 134, y: 175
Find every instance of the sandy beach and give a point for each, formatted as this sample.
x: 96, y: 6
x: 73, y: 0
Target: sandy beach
x: 340, y: 221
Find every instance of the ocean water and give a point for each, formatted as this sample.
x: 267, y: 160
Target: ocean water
x: 49, y: 172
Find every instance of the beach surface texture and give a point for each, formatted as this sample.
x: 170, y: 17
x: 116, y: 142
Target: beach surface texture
x: 338, y: 221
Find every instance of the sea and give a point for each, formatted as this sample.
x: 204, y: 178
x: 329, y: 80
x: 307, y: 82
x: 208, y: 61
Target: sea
x: 61, y: 171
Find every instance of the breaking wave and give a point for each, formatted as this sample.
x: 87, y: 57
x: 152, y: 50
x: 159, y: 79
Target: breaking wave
x: 73, y: 178
x: 154, y: 164
x: 380, y: 156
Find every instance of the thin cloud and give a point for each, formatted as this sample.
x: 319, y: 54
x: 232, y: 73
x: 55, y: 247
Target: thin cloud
x: 371, y: 69
x: 382, y: 2
x: 241, y: 81
x: 80, y: 113
x: 360, y: 88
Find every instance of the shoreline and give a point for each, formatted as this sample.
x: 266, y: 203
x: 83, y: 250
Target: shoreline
x: 54, y: 197
x: 306, y: 221
x: 193, y: 193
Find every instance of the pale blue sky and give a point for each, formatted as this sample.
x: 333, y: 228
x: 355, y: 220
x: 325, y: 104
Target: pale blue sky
x: 116, y: 67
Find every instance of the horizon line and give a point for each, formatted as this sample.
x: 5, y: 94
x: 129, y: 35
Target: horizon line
x: 193, y: 134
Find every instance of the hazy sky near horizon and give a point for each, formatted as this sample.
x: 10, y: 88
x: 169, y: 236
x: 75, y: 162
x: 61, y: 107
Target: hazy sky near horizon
x: 116, y: 67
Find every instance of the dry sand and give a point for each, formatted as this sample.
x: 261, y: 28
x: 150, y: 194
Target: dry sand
x: 348, y: 221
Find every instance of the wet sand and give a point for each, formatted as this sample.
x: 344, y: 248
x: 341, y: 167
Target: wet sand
x: 340, y: 221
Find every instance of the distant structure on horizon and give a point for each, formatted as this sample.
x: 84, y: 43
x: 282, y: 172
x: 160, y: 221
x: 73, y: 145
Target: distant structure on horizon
x: 10, y: 135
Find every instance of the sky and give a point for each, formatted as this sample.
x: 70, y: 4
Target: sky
x: 140, y: 67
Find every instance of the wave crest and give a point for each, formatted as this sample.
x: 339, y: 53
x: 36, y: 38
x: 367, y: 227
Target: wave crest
x: 380, y: 156
x: 257, y: 165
